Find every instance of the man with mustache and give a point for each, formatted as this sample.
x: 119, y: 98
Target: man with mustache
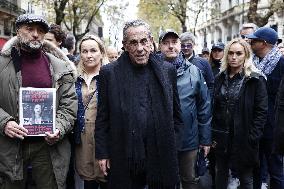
x: 26, y: 61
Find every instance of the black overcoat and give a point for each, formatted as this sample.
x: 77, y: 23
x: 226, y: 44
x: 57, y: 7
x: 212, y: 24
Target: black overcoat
x: 112, y: 116
x: 279, y: 121
x: 249, y: 119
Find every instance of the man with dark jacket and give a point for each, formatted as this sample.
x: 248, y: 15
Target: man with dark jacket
x: 279, y: 121
x: 26, y: 61
x: 270, y: 61
x: 187, y: 44
x: 138, y: 116
x: 195, y: 105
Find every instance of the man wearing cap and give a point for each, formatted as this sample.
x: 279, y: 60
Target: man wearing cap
x: 195, y: 105
x: 138, y: 116
x: 217, y: 53
x: 269, y: 60
x: 25, y: 61
x: 205, y: 53
x: 187, y: 45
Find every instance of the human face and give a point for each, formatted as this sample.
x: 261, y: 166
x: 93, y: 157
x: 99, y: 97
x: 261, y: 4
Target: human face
x: 170, y: 47
x: 217, y: 54
x: 31, y: 36
x: 246, y: 31
x: 50, y: 37
x: 37, y: 109
x: 236, y: 57
x: 112, y: 55
x: 187, y: 48
x: 206, y: 56
x: 138, y: 45
x: 91, y: 55
x: 257, y: 46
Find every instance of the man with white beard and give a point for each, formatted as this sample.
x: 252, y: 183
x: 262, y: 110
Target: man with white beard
x: 26, y: 61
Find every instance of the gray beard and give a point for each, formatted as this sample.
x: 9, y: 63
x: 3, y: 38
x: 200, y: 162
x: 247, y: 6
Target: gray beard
x: 29, y: 46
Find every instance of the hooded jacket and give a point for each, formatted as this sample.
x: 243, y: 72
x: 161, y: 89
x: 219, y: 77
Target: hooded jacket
x: 63, y: 78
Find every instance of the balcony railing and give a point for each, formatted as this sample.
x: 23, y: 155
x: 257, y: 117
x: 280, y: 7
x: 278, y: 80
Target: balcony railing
x: 11, y: 7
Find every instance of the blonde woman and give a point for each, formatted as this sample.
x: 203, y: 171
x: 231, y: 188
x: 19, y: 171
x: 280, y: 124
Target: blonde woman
x: 93, y: 56
x: 239, y: 114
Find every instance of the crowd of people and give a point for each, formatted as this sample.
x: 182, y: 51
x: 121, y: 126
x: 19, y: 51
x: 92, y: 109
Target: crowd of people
x: 148, y: 117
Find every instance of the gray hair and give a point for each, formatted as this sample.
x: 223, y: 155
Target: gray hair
x: 249, y: 25
x: 187, y: 36
x: 135, y: 23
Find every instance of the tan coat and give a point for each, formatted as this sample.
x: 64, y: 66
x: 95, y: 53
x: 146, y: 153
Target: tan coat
x: 86, y: 164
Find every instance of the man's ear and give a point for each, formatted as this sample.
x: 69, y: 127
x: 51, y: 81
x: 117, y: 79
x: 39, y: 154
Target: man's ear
x: 124, y: 45
x: 151, y: 39
x: 59, y: 43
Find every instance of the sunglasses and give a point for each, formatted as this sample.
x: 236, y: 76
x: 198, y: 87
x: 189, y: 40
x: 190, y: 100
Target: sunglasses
x: 243, y: 37
x: 252, y: 41
x: 186, y: 46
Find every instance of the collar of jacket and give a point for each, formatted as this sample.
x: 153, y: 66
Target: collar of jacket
x: 253, y: 75
x: 53, y: 53
x: 192, y: 57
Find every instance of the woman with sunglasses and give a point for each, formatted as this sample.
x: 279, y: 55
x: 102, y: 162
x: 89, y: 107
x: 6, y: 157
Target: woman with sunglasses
x: 239, y: 114
x: 93, y: 56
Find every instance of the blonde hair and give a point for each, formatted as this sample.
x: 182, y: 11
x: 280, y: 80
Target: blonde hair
x: 100, y: 44
x: 249, y: 67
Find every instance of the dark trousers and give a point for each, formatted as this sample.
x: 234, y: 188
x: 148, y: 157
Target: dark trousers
x: 212, y: 165
x: 70, y: 181
x: 274, y: 166
x: 92, y: 184
x: 37, y: 155
x: 187, y: 161
x: 222, y: 173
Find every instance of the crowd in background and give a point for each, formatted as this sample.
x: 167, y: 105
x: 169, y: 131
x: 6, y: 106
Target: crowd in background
x: 223, y: 110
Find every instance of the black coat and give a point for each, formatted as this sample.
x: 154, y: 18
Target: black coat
x: 279, y: 121
x: 114, y: 114
x: 248, y: 119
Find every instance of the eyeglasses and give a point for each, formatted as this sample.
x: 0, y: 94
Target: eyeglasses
x: 134, y: 43
x: 243, y: 37
x: 186, y: 46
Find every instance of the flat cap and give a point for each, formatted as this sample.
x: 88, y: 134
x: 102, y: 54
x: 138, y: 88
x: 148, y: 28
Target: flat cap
x: 31, y: 19
x: 167, y: 32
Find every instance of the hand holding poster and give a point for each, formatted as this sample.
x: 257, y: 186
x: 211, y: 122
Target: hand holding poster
x: 37, y: 110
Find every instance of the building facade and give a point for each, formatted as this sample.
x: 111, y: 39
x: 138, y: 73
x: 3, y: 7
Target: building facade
x: 224, y: 21
x: 9, y: 11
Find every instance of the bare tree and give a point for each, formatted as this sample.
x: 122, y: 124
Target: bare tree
x: 261, y: 19
x: 59, y: 7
